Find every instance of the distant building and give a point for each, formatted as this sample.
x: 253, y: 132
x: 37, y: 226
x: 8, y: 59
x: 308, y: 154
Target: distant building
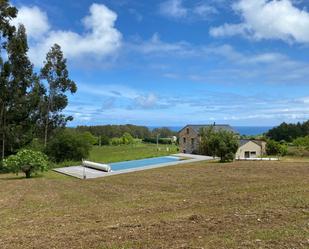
x: 189, y: 136
x: 250, y: 149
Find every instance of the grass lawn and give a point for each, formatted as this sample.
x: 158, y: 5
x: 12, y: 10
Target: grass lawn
x: 110, y: 154
x: 201, y: 205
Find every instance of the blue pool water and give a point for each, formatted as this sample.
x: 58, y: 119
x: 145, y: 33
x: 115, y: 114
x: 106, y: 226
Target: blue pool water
x: 142, y: 163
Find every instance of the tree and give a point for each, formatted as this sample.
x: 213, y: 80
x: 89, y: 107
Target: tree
x: 27, y: 161
x: 221, y: 143
x: 7, y: 13
x: 55, y: 74
x: 274, y: 148
x: 127, y: 138
x: 68, y: 145
x: 21, y: 89
x: 164, y: 132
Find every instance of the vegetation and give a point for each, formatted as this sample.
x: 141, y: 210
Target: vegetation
x: 68, y: 145
x: 220, y: 143
x: 28, y: 109
x: 53, y: 100
x: 28, y: 161
x: 108, y: 154
x: 237, y: 205
x: 274, y: 148
x: 111, y: 131
x: 288, y: 132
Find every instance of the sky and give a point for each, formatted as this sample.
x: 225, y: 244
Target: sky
x: 177, y: 62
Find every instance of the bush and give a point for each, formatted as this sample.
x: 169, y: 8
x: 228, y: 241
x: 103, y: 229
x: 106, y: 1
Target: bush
x: 127, y: 138
x: 68, y: 145
x: 28, y: 161
x: 161, y: 140
x: 90, y: 138
x: 274, y: 148
x: 104, y: 140
x: 302, y: 142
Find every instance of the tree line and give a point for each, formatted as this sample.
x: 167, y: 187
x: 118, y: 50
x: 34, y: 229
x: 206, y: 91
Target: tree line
x: 117, y: 131
x: 288, y: 132
x: 31, y: 102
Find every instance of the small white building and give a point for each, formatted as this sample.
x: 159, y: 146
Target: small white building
x: 250, y: 149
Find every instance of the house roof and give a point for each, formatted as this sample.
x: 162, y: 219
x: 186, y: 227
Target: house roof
x: 216, y: 127
x: 245, y: 141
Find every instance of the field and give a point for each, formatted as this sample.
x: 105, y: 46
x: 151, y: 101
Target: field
x: 201, y: 205
x: 110, y: 154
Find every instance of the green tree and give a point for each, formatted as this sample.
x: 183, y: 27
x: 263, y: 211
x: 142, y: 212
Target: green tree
x: 274, y: 148
x: 17, y: 94
x: 127, y: 138
x: 7, y: 13
x: 221, y: 143
x: 28, y: 161
x: 55, y: 75
x: 68, y: 145
x: 22, y: 103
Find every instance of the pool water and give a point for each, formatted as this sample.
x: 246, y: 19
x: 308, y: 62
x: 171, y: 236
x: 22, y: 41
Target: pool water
x: 142, y: 163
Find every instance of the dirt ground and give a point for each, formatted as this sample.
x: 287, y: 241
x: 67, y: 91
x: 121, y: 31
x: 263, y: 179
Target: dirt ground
x: 201, y: 205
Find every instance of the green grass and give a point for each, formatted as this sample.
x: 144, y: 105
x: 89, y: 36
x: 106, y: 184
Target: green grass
x: 110, y: 153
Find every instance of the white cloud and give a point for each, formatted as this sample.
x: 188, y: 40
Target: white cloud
x: 264, y: 19
x: 173, y: 8
x: 156, y: 46
x: 148, y: 101
x: 34, y: 19
x: 99, y: 40
x: 176, y: 9
x: 204, y: 10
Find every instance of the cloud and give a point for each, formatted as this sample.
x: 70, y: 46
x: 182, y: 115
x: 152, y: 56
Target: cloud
x: 34, y: 19
x: 156, y: 46
x: 176, y: 9
x: 147, y: 102
x: 173, y: 8
x: 99, y: 40
x: 264, y: 19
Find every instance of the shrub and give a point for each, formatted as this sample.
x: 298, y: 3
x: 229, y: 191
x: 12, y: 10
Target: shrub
x: 104, y: 140
x: 161, y: 140
x: 302, y: 142
x: 275, y: 148
x: 68, y: 145
x: 28, y: 161
x: 90, y: 138
x: 127, y: 138
x: 116, y: 141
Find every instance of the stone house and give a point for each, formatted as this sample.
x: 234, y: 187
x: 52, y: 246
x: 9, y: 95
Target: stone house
x: 189, y: 136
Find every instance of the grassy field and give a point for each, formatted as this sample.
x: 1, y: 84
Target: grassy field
x: 110, y: 154
x: 201, y: 205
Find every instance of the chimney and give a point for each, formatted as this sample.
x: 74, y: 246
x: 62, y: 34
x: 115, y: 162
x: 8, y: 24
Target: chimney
x: 214, y: 123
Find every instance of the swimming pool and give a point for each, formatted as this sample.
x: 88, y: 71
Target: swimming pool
x: 142, y: 163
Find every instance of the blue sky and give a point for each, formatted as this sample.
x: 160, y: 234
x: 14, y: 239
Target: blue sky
x: 173, y: 62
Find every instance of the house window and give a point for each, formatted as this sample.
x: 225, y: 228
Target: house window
x: 188, y: 131
x: 253, y: 154
x: 184, y: 140
x: 192, y: 141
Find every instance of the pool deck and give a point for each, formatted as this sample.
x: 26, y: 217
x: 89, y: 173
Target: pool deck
x: 80, y: 171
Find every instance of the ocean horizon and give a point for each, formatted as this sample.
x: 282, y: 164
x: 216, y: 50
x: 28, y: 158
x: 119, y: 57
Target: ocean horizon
x: 242, y: 130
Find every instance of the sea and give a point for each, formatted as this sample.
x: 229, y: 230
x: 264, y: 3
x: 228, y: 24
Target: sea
x: 242, y: 130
